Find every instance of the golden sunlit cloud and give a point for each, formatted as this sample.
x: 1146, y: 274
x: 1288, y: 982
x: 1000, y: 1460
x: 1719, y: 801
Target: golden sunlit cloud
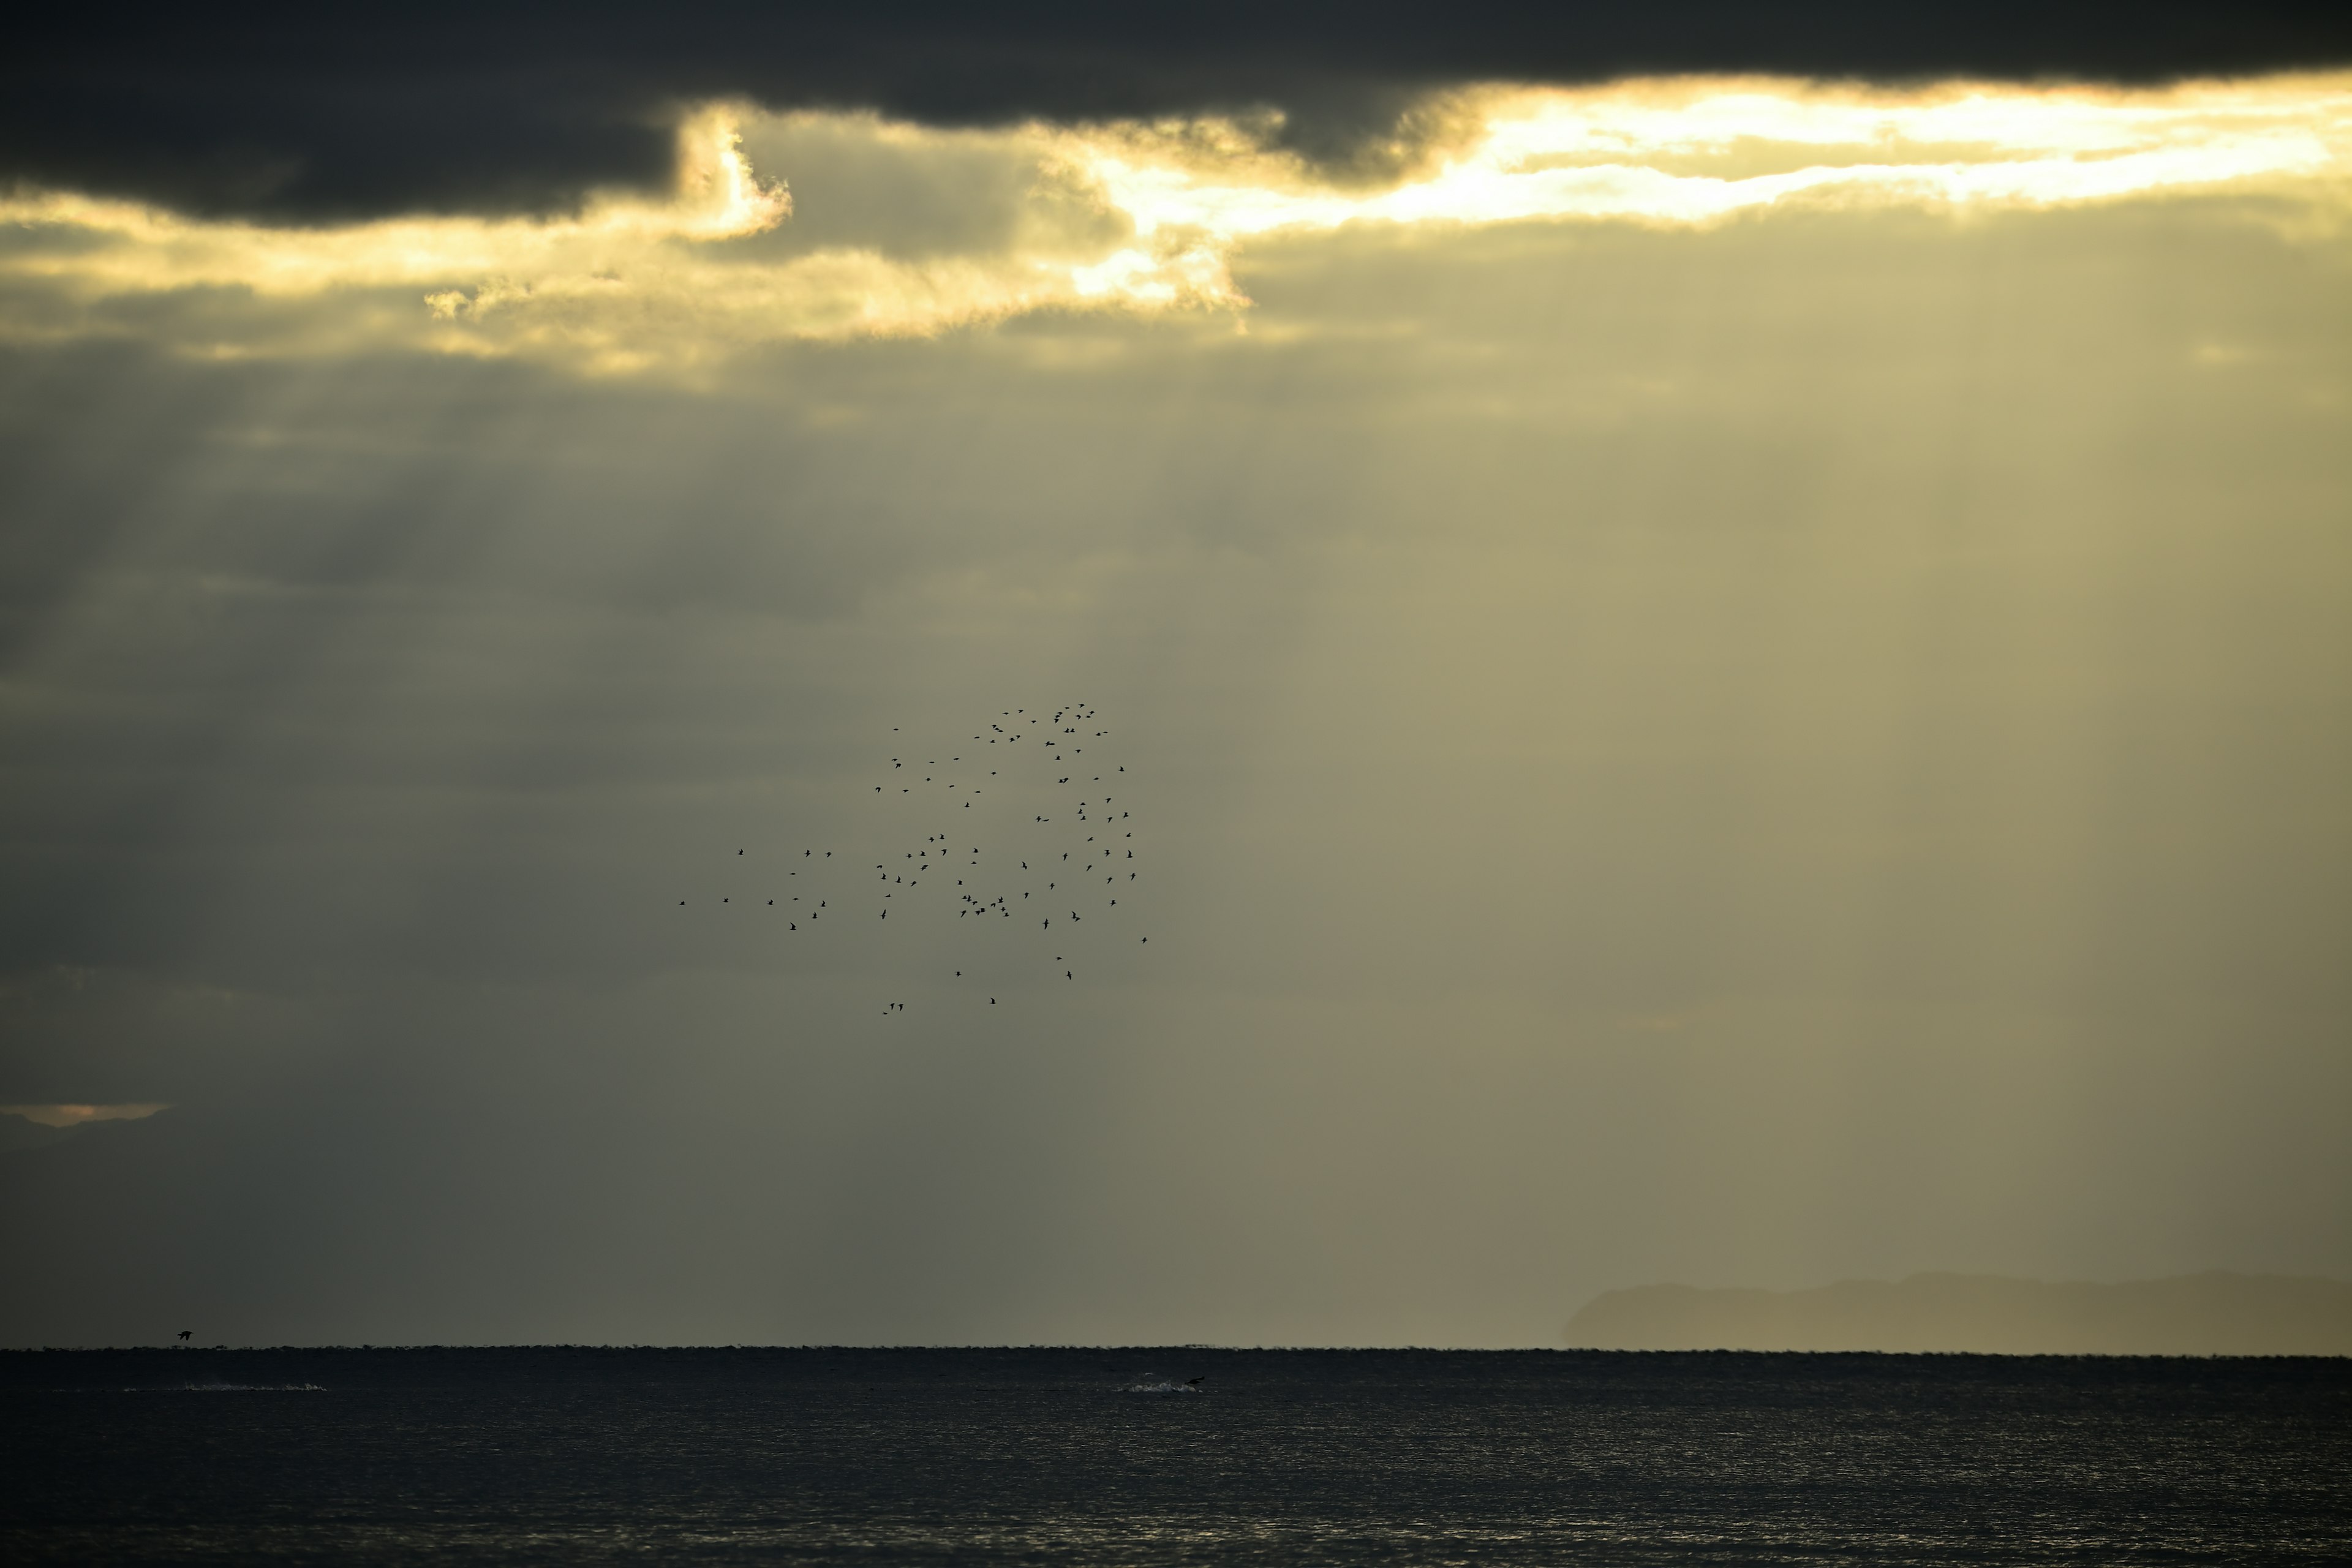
x: 75, y: 1115
x: 632, y: 283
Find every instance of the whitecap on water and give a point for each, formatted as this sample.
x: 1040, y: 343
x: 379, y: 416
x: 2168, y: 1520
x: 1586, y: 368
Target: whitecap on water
x: 235, y: 1388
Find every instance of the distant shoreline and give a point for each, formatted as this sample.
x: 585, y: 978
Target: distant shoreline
x: 2211, y: 1314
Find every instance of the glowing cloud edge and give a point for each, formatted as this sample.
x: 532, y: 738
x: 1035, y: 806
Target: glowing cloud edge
x: 633, y: 283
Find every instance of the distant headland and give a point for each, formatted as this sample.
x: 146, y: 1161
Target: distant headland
x: 2192, y: 1314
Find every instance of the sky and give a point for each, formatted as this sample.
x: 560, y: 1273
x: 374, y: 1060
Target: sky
x: 1729, y: 651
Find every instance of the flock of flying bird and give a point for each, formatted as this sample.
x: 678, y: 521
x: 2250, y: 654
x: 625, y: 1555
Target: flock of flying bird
x: 1016, y: 830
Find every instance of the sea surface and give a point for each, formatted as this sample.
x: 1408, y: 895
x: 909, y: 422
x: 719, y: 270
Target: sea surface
x: 1115, y: 1456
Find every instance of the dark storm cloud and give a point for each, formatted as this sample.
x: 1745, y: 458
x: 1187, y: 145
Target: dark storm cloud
x: 296, y: 112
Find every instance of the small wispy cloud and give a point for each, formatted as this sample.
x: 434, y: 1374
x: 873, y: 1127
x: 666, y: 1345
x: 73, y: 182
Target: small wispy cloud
x: 76, y: 1115
x: 1163, y: 212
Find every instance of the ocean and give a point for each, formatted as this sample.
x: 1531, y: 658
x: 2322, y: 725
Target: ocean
x: 594, y: 1455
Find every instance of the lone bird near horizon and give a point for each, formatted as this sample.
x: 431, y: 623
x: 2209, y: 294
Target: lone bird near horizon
x: 185, y: 1334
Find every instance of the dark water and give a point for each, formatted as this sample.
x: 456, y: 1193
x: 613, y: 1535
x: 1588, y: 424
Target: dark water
x: 1056, y: 1457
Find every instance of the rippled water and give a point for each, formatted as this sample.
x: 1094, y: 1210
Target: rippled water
x: 1114, y: 1456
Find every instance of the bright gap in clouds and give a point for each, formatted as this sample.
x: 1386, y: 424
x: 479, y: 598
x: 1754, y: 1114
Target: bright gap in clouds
x: 1122, y: 217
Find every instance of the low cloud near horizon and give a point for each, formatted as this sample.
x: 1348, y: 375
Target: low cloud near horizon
x: 1799, y: 741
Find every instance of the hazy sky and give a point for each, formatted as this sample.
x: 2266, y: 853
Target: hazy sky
x: 1724, y: 680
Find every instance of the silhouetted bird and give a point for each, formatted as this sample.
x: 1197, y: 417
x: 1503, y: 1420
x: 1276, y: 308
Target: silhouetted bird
x: 185, y: 1332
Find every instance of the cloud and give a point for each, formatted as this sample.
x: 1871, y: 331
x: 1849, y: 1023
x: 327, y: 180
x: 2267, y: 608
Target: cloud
x: 503, y: 107
x: 76, y: 1115
x: 1642, y: 152
x: 1127, y: 216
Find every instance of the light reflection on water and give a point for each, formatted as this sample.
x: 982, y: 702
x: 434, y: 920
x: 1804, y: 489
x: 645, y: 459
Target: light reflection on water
x: 1095, y: 1457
